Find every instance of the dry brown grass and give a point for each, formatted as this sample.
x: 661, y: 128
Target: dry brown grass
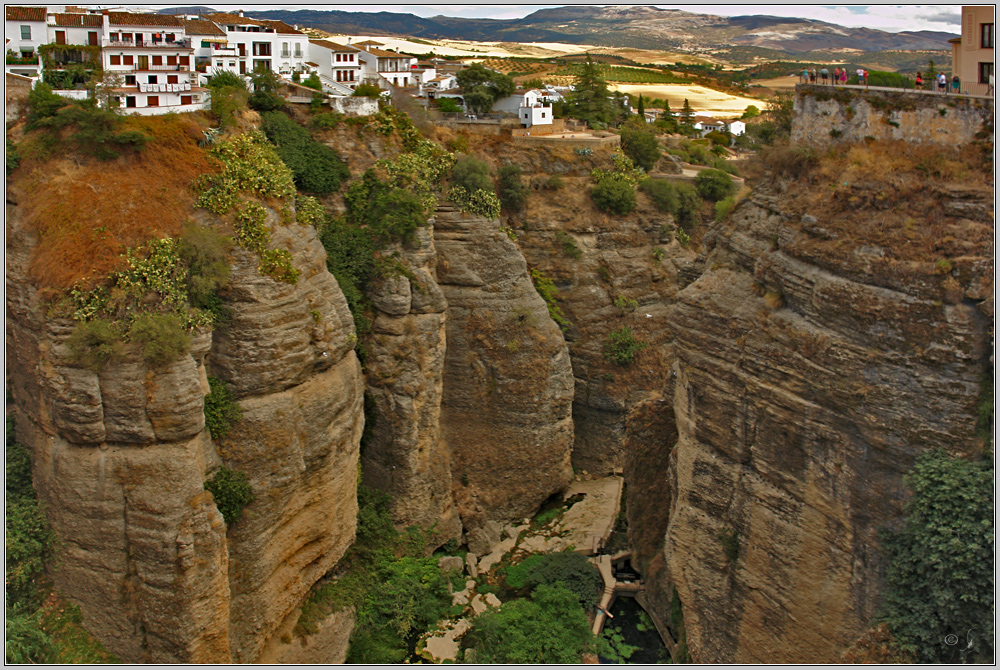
x: 892, y: 195
x: 87, y: 212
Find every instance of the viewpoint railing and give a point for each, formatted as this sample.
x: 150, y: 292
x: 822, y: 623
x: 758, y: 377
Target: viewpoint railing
x: 975, y: 90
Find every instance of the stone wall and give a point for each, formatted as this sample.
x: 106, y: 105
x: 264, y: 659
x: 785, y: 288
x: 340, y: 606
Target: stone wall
x: 824, y: 114
x: 354, y: 106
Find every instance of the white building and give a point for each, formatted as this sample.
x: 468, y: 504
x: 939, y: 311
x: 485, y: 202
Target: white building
x: 533, y: 107
x: 387, y: 69
x: 25, y: 30
x: 736, y: 127
x: 339, y: 66
x: 272, y: 45
x: 76, y: 28
x: 212, y: 51
x: 155, y: 60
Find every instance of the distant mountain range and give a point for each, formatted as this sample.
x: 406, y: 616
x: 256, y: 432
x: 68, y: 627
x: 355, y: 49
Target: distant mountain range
x: 638, y: 27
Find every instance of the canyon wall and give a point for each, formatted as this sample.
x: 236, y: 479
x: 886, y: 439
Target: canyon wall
x: 508, y: 385
x: 812, y: 370
x: 121, y: 454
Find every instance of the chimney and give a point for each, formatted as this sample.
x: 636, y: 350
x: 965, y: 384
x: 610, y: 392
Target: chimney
x: 240, y: 13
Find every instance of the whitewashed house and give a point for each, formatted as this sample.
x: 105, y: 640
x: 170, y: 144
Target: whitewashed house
x: 78, y: 28
x: 212, y: 51
x: 387, y: 69
x: 533, y: 107
x: 25, y: 29
x: 271, y: 45
x: 156, y: 62
x: 736, y: 127
x: 339, y: 66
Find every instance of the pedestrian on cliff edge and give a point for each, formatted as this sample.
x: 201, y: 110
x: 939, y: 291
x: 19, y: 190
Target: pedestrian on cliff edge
x: 866, y: 78
x: 824, y: 76
x: 836, y: 76
x: 920, y: 82
x: 942, y: 83
x: 812, y: 76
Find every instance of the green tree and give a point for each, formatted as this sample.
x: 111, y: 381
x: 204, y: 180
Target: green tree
x: 550, y: 627
x: 640, y: 144
x: 482, y: 87
x: 931, y: 72
x: 687, y: 113
x: 511, y: 190
x: 590, y: 99
x: 316, y: 167
x: 641, y: 109
x: 751, y: 111
x: 266, y: 86
x: 938, y: 598
x: 666, y: 114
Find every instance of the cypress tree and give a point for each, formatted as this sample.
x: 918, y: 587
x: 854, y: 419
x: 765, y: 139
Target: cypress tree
x: 642, y: 108
x: 687, y: 113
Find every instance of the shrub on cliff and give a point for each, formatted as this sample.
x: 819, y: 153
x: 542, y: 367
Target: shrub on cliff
x: 714, y: 185
x: 614, y: 196
x: 621, y: 346
x: 472, y: 174
x: 511, y: 190
x: 316, y: 167
x: 231, y: 492
x: 680, y: 200
x: 161, y: 336
x: 938, y: 598
x: 221, y: 409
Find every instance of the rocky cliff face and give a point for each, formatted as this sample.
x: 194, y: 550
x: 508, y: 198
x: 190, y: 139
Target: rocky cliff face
x: 614, y: 259
x: 811, y: 371
x: 406, y: 455
x: 507, y: 393
x: 121, y: 456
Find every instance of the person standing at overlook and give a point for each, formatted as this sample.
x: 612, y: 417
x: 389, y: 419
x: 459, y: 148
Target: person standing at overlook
x: 942, y: 82
x: 920, y: 82
x: 824, y: 75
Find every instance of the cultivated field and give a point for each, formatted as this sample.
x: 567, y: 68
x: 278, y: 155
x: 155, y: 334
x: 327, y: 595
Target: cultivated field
x: 704, y: 100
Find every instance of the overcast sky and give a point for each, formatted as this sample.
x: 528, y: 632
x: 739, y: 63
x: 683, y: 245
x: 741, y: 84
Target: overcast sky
x: 892, y: 18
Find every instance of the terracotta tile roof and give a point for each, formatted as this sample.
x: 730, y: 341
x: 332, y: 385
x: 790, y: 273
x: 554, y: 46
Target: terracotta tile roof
x: 25, y: 13
x: 332, y: 46
x: 130, y: 19
x: 308, y: 62
x: 232, y: 19
x: 372, y: 43
x: 76, y: 10
x: 202, y: 27
x: 78, y: 20
x: 385, y: 54
x: 283, y: 28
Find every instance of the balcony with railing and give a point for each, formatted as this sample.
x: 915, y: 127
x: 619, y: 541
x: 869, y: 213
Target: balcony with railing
x: 146, y: 44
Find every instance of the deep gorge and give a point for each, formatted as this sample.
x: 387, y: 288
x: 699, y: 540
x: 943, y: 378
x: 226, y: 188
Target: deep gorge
x: 800, y: 357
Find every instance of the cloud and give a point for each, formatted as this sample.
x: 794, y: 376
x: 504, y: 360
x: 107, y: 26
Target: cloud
x: 890, y: 18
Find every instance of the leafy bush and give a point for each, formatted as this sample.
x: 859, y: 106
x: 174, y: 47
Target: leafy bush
x: 612, y: 645
x: 448, y: 106
x: 203, y: 251
x: 939, y: 579
x: 568, y: 245
x: 316, y: 167
x: 624, y: 170
x: 231, y: 492
x: 714, y: 185
x: 250, y: 165
x: 162, y: 337
x: 511, y: 190
x: 625, y: 303
x: 614, y: 196
x: 392, y: 214
x: 554, y: 183
x: 93, y: 343
x: 13, y: 158
x: 367, y: 91
x: 479, y: 202
x: 326, y: 120
x: 568, y: 568
x: 26, y: 639
x: 221, y: 409
x: 224, y: 79
x: 29, y: 538
x: 641, y: 145
x: 472, y: 174
x: 719, y: 138
x: 312, y: 81
x: 43, y: 104
x: 550, y: 627
x: 94, y: 130
x: 620, y: 347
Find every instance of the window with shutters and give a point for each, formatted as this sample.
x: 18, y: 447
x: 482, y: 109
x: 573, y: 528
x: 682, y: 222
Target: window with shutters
x: 153, y: 101
x: 25, y: 32
x: 157, y: 60
x: 128, y: 60
x: 115, y: 60
x: 986, y: 35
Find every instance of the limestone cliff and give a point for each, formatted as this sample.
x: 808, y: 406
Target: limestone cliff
x: 812, y: 368
x: 406, y: 455
x: 121, y: 455
x: 507, y: 391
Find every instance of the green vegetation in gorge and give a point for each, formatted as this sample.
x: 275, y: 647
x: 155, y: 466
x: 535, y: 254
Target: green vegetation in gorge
x: 714, y: 185
x: 680, y: 200
x: 614, y: 196
x: 568, y: 568
x: 640, y: 144
x: 221, y: 409
x: 231, y: 492
x: 511, y: 190
x: 549, y: 627
x: 397, y: 592
x: 939, y: 578
x: 472, y: 188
